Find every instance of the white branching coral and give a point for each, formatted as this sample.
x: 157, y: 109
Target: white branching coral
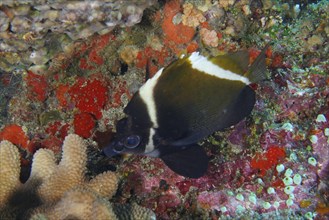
x: 72, y: 167
x: 56, y: 191
x: 9, y: 170
x: 77, y: 203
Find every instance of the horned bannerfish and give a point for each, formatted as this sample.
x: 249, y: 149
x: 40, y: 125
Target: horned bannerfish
x: 185, y: 102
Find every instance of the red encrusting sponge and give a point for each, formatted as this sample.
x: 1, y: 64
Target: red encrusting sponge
x: 266, y: 161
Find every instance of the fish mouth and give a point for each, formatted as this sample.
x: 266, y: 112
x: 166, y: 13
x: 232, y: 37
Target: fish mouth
x: 109, y: 152
x: 113, y: 149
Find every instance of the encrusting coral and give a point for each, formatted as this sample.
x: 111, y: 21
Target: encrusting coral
x: 56, y: 191
x: 192, y: 17
x: 209, y: 37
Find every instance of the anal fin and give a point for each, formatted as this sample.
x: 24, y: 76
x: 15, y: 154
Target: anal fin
x: 191, y: 162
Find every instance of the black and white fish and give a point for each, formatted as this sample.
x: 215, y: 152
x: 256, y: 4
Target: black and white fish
x: 184, y: 103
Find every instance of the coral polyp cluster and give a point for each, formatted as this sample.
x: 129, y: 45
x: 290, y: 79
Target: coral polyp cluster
x: 53, y: 26
x: 10, y: 169
x: 63, y: 186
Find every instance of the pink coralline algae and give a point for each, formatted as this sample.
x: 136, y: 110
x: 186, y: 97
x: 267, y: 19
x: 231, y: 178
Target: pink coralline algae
x: 239, y: 134
x: 320, y: 146
x: 276, y: 136
x: 319, y: 138
x: 166, y: 203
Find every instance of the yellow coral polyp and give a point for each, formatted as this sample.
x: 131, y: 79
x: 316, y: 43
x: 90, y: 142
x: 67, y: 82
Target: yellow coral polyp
x: 305, y: 203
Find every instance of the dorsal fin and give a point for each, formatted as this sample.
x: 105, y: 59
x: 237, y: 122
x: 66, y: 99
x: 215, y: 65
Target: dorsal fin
x: 236, y: 62
x: 241, y: 58
x: 257, y: 70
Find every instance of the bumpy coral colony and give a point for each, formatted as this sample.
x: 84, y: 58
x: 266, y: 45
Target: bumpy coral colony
x: 58, y: 191
x: 68, y: 69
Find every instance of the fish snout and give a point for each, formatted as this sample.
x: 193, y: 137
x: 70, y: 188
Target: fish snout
x: 114, y: 148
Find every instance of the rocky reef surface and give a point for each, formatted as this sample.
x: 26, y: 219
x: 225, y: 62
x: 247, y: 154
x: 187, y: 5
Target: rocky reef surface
x: 33, y: 32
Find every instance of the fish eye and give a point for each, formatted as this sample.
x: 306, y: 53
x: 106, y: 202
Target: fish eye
x: 132, y: 141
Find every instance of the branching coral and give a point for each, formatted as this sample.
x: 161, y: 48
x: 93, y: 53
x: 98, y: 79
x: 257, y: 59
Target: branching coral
x: 78, y: 203
x: 9, y: 170
x: 56, y: 191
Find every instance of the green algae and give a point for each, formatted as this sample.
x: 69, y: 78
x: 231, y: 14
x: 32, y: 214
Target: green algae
x: 49, y: 116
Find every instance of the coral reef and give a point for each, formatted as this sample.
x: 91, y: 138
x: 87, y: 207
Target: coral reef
x: 274, y: 164
x: 57, y: 191
x: 10, y: 169
x: 78, y: 203
x: 178, y: 33
x: 52, y: 26
x: 208, y: 37
x: 192, y: 17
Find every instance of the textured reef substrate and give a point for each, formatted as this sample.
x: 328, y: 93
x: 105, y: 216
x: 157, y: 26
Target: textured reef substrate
x: 62, y: 75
